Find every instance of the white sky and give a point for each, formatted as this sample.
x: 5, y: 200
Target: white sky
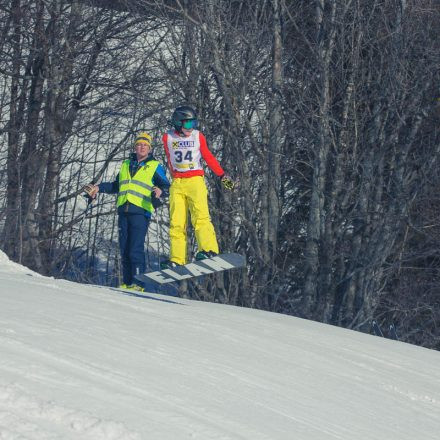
x: 85, y: 362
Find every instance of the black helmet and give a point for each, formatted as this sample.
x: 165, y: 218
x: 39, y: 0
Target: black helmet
x: 184, y: 113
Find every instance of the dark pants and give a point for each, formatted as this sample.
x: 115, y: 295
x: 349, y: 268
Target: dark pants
x: 132, y: 231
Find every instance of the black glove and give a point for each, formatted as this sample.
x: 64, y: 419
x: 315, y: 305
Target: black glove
x: 156, y: 201
x: 227, y: 182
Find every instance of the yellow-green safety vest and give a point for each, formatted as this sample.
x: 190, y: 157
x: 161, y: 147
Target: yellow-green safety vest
x: 137, y: 189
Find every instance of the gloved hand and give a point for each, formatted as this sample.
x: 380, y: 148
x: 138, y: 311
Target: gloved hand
x: 156, y: 201
x: 227, y: 182
x: 91, y: 190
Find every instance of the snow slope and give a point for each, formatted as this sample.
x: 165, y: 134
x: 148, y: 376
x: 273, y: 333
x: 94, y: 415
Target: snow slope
x: 87, y: 362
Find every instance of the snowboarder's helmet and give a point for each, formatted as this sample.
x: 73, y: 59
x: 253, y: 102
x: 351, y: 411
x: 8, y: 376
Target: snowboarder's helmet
x: 184, y: 117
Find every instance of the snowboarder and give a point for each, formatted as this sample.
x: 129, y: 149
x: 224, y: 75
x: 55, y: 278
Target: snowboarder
x: 184, y: 148
x: 140, y: 185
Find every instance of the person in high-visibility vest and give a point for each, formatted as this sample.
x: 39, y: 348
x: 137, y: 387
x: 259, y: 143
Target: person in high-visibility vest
x: 185, y: 146
x: 140, y: 185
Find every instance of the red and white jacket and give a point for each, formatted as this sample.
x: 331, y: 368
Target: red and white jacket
x: 184, y: 154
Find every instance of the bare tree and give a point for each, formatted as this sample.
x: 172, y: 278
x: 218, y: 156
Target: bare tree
x: 368, y: 104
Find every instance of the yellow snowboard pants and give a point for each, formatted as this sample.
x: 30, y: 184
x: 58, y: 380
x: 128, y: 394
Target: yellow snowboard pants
x: 190, y: 194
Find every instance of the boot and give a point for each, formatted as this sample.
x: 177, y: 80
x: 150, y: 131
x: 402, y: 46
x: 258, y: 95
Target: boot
x: 168, y: 264
x: 203, y: 255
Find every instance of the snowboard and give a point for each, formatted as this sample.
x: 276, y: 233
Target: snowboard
x: 195, y: 269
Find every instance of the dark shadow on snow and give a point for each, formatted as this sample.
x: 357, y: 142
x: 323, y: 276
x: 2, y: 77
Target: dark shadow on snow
x: 144, y: 296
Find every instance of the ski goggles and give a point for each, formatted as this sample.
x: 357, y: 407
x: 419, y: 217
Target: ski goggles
x: 188, y: 124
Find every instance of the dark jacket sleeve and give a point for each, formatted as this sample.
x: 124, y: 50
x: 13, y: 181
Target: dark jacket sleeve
x: 110, y: 187
x: 160, y: 180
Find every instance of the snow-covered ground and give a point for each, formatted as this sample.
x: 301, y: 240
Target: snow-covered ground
x: 85, y: 362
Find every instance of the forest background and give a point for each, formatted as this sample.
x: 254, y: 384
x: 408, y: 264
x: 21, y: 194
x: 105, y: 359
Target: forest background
x: 326, y: 111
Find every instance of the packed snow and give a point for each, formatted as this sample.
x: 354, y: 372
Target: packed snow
x: 88, y: 362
